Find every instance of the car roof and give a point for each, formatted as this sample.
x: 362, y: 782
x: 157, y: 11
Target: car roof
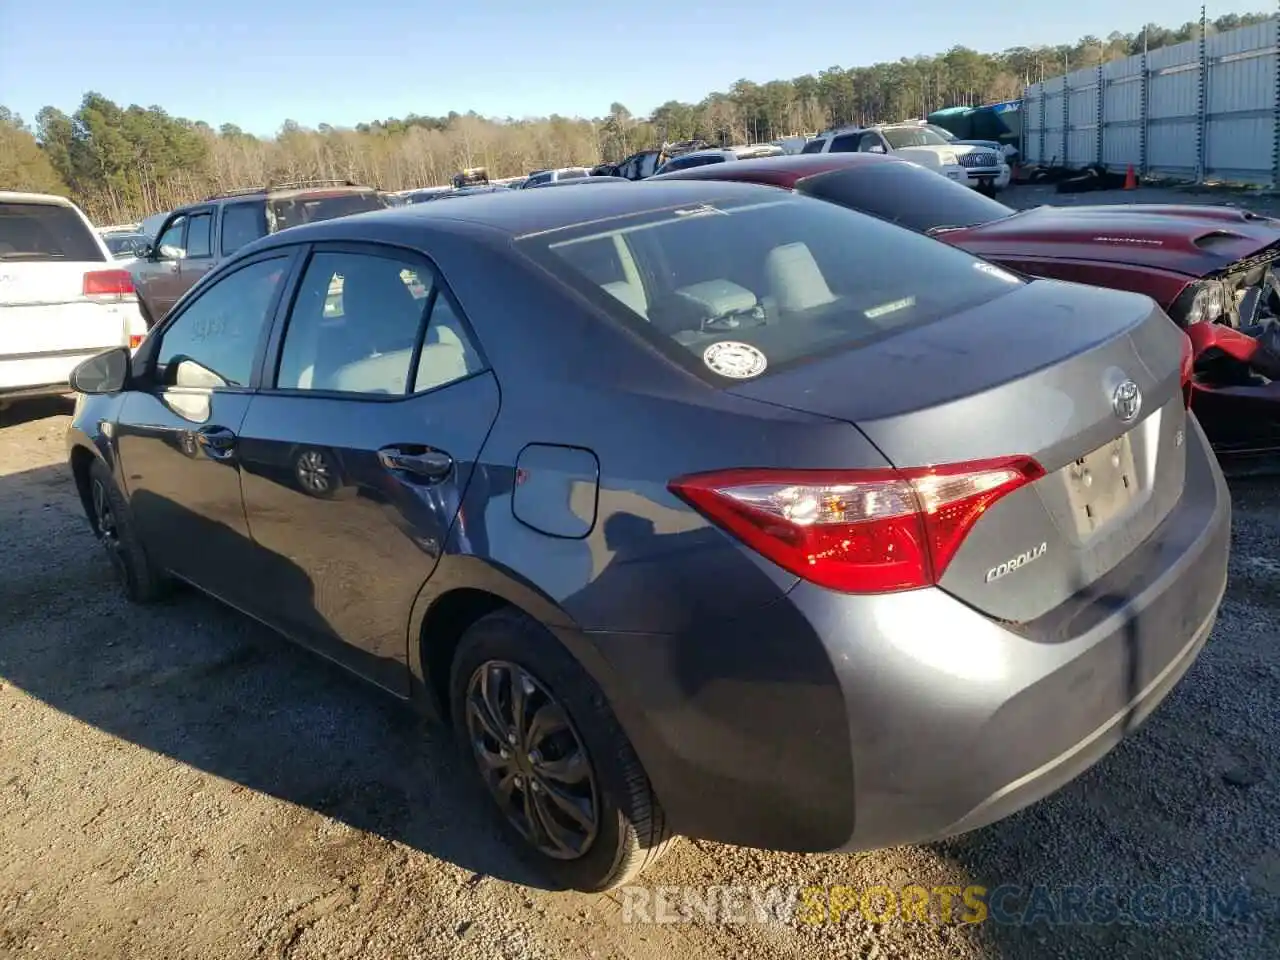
x: 515, y: 213
x: 782, y: 171
x: 17, y: 196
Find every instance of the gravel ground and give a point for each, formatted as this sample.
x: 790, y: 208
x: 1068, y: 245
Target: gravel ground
x: 178, y: 782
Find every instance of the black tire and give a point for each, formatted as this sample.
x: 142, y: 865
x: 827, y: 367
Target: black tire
x: 112, y: 523
x: 630, y: 829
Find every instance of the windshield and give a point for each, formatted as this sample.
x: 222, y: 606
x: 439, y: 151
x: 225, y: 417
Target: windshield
x: 45, y: 231
x: 943, y: 132
x: 900, y: 137
x: 755, y: 286
x: 907, y: 195
x: 308, y: 208
x: 124, y: 244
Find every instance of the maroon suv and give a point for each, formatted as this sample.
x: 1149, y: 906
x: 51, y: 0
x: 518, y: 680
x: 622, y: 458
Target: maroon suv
x: 195, y: 238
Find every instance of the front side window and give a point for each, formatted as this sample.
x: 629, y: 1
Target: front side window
x: 171, y: 245
x: 571, y: 174
x: 845, y: 143
x: 793, y: 278
x: 813, y: 146
x: 214, y: 340
x: 907, y: 195
x: 199, y: 235
x: 356, y: 321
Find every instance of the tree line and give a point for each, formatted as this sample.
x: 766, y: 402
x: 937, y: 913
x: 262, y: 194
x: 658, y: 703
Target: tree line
x: 122, y: 163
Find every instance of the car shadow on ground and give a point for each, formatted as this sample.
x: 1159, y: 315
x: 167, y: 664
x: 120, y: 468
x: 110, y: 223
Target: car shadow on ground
x: 203, y: 685
x: 29, y: 411
x: 193, y: 680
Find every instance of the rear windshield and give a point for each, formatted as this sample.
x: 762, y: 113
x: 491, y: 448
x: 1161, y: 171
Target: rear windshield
x: 737, y: 289
x: 46, y: 231
x: 907, y: 195
x: 308, y: 208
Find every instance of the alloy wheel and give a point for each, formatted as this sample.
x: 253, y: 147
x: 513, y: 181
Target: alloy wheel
x: 313, y: 472
x: 106, y: 526
x: 532, y: 760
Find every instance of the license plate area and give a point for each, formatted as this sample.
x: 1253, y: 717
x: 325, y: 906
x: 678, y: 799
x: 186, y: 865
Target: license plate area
x: 1102, y: 485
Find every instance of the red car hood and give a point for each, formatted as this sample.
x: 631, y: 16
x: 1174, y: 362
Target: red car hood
x: 1193, y: 240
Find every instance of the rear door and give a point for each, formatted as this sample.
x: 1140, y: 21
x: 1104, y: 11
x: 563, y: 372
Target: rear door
x: 358, y: 450
x: 61, y: 295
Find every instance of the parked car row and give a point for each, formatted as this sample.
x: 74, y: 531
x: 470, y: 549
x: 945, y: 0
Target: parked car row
x: 659, y: 493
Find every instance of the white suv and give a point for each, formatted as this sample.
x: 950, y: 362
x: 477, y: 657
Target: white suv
x: 918, y: 144
x: 63, y: 297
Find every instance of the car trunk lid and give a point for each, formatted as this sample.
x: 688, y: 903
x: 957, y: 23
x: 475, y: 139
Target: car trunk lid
x: 1045, y: 372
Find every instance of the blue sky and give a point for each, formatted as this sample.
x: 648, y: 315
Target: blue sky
x: 257, y: 63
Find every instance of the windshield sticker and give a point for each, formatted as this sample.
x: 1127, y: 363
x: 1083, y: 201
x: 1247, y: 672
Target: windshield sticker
x: 996, y: 272
x: 893, y: 307
x: 730, y: 358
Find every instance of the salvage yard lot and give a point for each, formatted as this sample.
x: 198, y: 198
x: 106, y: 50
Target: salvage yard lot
x: 177, y: 781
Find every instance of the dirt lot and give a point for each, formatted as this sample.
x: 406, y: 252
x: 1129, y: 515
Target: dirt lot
x: 178, y: 782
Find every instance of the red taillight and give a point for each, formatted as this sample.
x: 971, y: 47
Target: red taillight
x: 108, y: 283
x: 135, y: 340
x: 857, y: 531
x: 1188, y: 369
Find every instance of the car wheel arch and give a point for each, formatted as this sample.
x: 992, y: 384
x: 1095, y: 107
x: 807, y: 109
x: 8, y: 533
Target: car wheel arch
x: 462, y: 590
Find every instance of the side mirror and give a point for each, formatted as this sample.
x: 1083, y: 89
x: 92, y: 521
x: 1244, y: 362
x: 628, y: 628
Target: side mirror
x: 146, y: 251
x: 107, y: 372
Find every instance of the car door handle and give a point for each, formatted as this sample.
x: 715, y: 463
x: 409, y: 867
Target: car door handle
x: 433, y: 465
x: 216, y: 441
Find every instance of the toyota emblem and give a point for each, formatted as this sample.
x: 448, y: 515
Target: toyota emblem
x: 1127, y: 401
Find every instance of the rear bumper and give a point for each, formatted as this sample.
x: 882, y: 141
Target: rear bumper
x: 834, y: 722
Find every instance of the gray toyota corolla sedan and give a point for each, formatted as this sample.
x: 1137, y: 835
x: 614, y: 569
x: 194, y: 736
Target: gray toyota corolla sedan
x: 695, y: 508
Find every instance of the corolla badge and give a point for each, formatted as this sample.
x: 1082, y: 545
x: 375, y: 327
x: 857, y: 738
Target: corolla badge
x: 1017, y: 563
x: 1126, y: 401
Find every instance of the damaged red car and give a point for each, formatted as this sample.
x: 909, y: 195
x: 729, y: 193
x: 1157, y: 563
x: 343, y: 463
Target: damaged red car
x: 1202, y: 264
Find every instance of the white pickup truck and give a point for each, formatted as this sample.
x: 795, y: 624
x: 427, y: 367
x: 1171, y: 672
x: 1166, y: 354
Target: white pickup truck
x: 974, y: 166
x: 63, y: 297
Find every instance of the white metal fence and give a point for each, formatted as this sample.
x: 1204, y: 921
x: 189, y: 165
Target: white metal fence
x: 1207, y: 109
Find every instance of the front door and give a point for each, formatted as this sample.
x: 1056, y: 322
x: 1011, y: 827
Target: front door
x: 197, y: 257
x: 357, y: 452
x: 159, y: 278
x: 177, y: 440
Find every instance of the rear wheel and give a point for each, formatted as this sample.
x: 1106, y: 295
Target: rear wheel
x: 563, y: 775
x: 113, y: 525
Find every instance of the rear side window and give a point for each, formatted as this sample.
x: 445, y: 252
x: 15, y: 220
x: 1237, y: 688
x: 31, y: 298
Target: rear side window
x: 908, y: 195
x: 781, y: 280
x: 571, y: 174
x: 356, y: 322
x: 242, y: 223
x: 45, y: 231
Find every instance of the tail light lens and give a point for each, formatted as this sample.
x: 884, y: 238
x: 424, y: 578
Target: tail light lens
x: 857, y: 531
x: 135, y: 340
x: 1187, y: 369
x: 108, y: 284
